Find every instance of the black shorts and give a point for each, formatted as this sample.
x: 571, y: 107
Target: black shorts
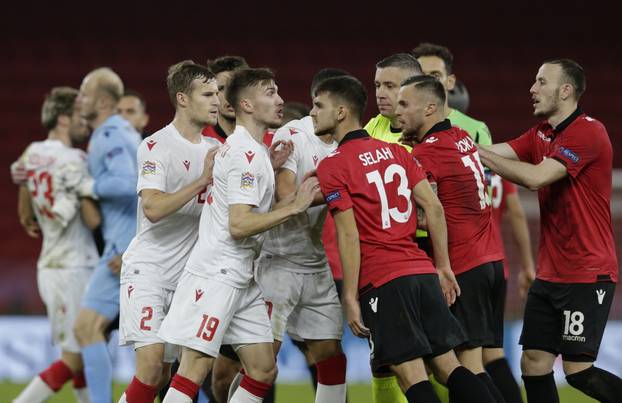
x: 408, y: 318
x: 567, y: 319
x: 424, y: 243
x: 475, y: 308
x: 227, y: 350
x: 499, y: 292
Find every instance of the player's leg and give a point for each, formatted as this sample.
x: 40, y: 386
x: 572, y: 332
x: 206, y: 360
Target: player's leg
x: 226, y: 366
x: 463, y: 385
x: 585, y: 317
x: 99, y: 307
x: 260, y: 372
x: 193, y: 368
x: 413, y: 380
x: 331, y: 370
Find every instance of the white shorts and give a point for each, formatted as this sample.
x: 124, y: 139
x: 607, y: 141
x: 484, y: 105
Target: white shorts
x: 61, y: 291
x: 306, y: 305
x: 143, y: 306
x: 206, y: 314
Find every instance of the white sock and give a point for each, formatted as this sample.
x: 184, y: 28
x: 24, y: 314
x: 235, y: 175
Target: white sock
x: 242, y: 395
x: 175, y: 396
x: 330, y: 393
x: 235, y: 385
x: 123, y: 399
x: 37, y: 391
x: 82, y: 395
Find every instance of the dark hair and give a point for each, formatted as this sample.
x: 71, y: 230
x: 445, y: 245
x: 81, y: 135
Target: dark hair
x: 325, y: 74
x: 181, y: 75
x: 294, y: 111
x: 60, y: 101
x: 227, y: 63
x: 401, y: 60
x: 430, y: 85
x: 431, y: 49
x: 348, y: 89
x: 246, y: 78
x: 137, y: 95
x: 573, y: 74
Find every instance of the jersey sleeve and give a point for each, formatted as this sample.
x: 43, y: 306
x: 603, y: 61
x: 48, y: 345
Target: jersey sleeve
x: 152, y: 168
x: 292, y: 161
x: 242, y: 180
x: 576, y: 149
x: 19, y: 172
x: 333, y: 187
x: 119, y: 176
x: 523, y: 146
x: 426, y: 162
x: 414, y: 169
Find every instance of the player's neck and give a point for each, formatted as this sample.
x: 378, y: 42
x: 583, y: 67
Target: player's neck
x: 227, y: 125
x: 448, y: 110
x: 434, y: 120
x: 255, y: 128
x: 188, y: 129
x: 344, y: 128
x: 395, y: 124
x: 59, y: 134
x: 562, y: 113
x: 101, y: 118
x: 326, y: 138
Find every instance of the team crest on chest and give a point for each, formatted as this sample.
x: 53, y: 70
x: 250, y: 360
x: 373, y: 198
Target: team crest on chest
x: 250, y: 154
x: 150, y: 144
x: 187, y: 164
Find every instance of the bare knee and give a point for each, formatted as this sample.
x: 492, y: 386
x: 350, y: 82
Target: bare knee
x: 265, y: 374
x: 492, y: 354
x: 471, y: 359
x: 443, y: 365
x: 89, y: 327
x: 536, y: 362
x: 72, y: 360
x: 571, y: 367
x: 323, y: 349
x: 149, y: 365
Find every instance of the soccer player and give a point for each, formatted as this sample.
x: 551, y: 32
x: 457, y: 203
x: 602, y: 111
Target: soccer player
x: 54, y: 171
x: 217, y: 301
x: 372, y: 189
x: 133, y: 108
x: 437, y: 61
x: 173, y: 182
x: 112, y: 163
x: 568, y: 159
x: 292, y: 270
x: 449, y: 157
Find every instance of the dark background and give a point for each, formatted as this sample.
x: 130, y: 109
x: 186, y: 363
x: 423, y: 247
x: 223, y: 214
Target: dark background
x: 498, y: 47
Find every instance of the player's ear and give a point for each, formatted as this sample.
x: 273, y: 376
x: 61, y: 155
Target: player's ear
x: 342, y: 112
x: 181, y: 98
x: 246, y: 105
x: 565, y: 91
x: 451, y: 82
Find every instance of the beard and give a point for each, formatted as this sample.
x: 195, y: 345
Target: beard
x: 551, y: 110
x: 324, y: 130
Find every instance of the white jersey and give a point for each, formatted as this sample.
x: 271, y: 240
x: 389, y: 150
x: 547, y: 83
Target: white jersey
x: 54, y: 173
x: 299, y: 240
x: 243, y: 174
x: 166, y: 162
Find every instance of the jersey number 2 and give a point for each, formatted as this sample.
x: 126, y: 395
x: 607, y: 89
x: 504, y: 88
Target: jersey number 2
x: 403, y: 190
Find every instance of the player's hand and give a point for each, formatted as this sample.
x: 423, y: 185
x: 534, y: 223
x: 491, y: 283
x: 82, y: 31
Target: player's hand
x: 306, y: 194
x: 525, y: 279
x: 31, y: 227
x: 207, y: 176
x: 279, y: 152
x: 114, y: 264
x: 353, y: 316
x: 449, y: 285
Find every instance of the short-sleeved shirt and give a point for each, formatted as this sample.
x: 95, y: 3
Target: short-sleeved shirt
x: 375, y: 179
x: 450, y: 158
x: 500, y: 190
x: 167, y: 162
x: 576, y: 241
x: 216, y: 132
x: 299, y: 240
x: 477, y: 129
x: 243, y: 174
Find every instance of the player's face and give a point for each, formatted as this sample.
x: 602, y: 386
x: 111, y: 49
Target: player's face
x: 435, y: 66
x: 87, y: 99
x: 203, y: 102
x: 78, y: 129
x: 323, y: 114
x: 410, y: 111
x: 132, y: 110
x: 387, y: 82
x: 268, y: 105
x: 225, y: 109
x: 545, y: 91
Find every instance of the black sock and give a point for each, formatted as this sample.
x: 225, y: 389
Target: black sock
x: 465, y: 387
x: 207, y: 387
x: 501, y: 374
x: 421, y: 392
x: 313, y: 372
x: 270, y: 396
x: 541, y: 388
x: 494, y: 391
x: 597, y: 383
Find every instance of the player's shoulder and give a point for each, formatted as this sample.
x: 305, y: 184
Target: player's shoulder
x: 295, y: 130
x: 585, y: 122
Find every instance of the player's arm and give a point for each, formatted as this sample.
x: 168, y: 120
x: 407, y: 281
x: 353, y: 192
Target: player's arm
x: 426, y: 198
x: 502, y: 149
x: 520, y: 230
x: 350, y: 254
x: 119, y: 178
x: 522, y: 173
x: 90, y: 213
x: 157, y: 204
x: 26, y: 213
x: 286, y: 186
x: 243, y: 222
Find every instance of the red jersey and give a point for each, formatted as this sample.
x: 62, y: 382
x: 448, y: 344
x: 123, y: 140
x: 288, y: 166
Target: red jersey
x: 329, y: 240
x: 450, y: 158
x: 576, y: 241
x: 375, y: 179
x: 216, y: 132
x: 500, y: 189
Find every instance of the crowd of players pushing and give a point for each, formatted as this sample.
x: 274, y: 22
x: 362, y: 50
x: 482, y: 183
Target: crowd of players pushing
x: 427, y: 303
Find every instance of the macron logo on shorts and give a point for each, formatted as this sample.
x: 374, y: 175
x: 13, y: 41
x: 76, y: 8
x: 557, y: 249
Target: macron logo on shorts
x: 129, y: 290
x: 373, y: 302
x: 601, y: 296
x: 198, y: 294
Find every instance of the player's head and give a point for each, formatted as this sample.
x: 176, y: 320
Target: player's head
x: 438, y: 62
x: 59, y: 112
x: 193, y: 91
x: 324, y: 74
x: 100, y: 92
x: 559, y: 81
x: 294, y: 111
x: 420, y: 105
x: 390, y: 72
x: 253, y: 93
x: 338, y: 100
x: 222, y: 68
x: 458, y: 98
x: 133, y: 107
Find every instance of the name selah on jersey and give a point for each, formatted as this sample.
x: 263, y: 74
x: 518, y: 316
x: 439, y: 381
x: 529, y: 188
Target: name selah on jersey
x: 167, y: 162
x: 243, y: 174
x: 299, y: 240
x: 54, y: 173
